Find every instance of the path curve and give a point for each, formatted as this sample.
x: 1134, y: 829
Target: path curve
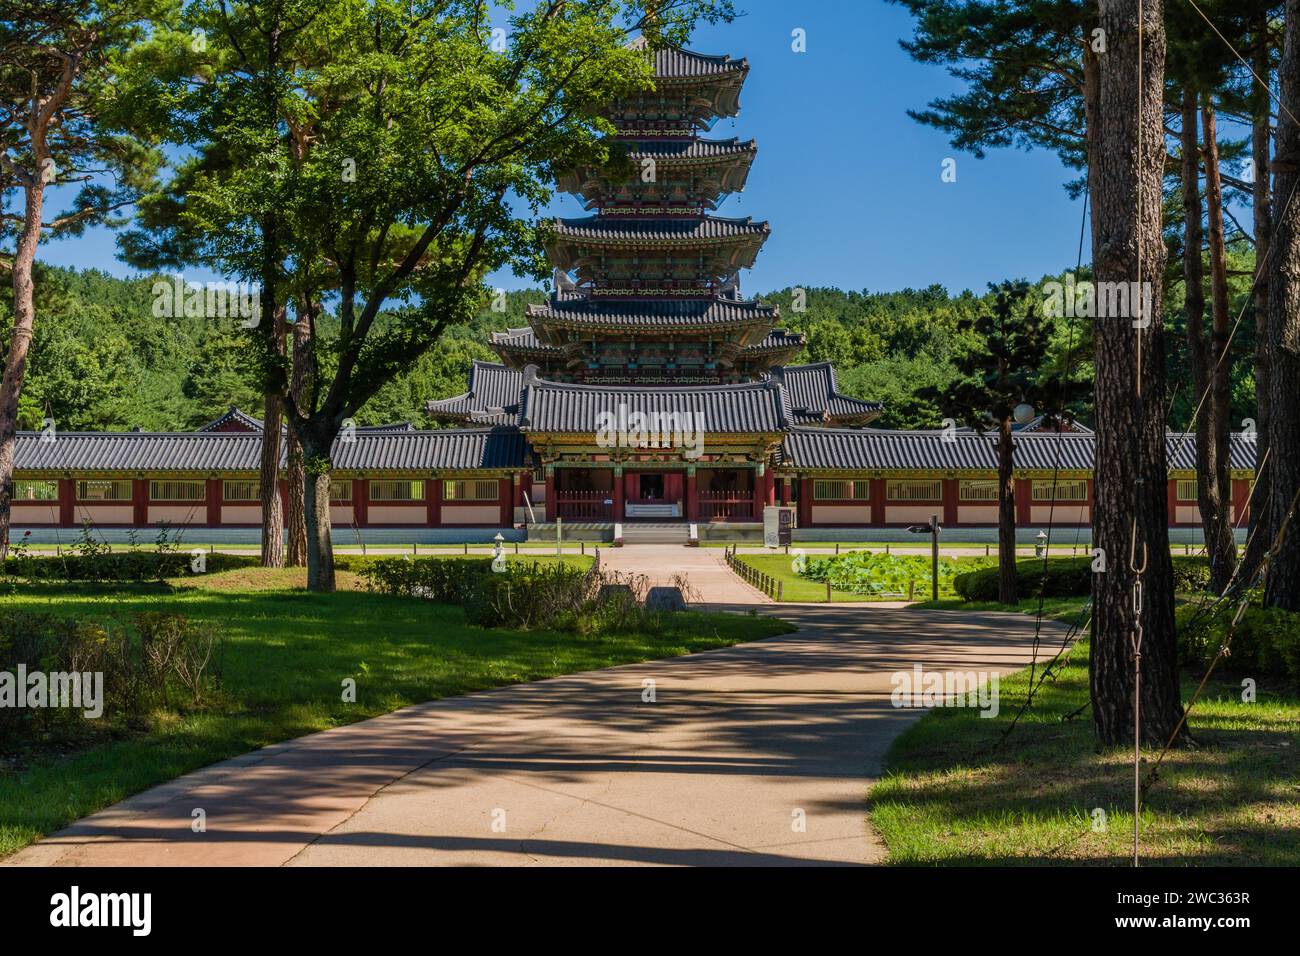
x: 760, y: 753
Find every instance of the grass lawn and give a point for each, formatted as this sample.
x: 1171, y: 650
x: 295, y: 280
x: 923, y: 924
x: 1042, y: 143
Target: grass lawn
x: 954, y: 795
x: 286, y: 653
x: 1064, y: 609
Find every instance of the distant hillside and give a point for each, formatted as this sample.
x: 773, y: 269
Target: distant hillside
x: 102, y: 360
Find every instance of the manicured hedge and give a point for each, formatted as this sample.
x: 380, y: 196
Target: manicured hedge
x: 1066, y: 577
x: 134, y: 565
x: 451, y: 580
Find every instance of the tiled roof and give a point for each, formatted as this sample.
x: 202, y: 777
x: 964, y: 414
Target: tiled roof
x: 522, y: 340
x: 674, y: 62
x: 687, y: 313
x: 603, y: 230
x: 493, y: 397
x: 237, y: 421
x: 135, y: 452
x: 778, y: 340
x: 690, y: 148
x: 869, y: 448
x: 748, y: 408
x: 814, y: 395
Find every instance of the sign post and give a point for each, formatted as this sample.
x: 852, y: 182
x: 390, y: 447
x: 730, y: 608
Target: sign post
x: 933, y: 529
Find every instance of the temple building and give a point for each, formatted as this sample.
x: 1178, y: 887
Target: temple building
x: 648, y: 389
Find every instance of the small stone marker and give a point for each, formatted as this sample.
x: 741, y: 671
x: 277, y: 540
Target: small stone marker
x: 665, y: 598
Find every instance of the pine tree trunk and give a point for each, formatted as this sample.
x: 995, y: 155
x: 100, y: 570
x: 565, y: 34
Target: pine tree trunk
x: 1130, y: 473
x: 320, y: 549
x: 303, y: 373
x: 1214, y: 492
x: 20, y: 341
x: 1284, y: 329
x: 1008, y: 590
x: 1261, y: 137
x: 272, y: 513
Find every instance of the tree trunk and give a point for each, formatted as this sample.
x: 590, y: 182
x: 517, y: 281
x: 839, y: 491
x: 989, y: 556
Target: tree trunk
x: 1007, y: 584
x: 1257, y: 539
x: 320, y: 550
x: 1284, y: 329
x: 1214, y: 489
x: 1130, y: 513
x: 272, y: 514
x: 20, y: 341
x: 303, y: 373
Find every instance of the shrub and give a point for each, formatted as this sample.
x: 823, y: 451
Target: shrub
x: 120, y: 566
x: 1065, y: 577
x: 552, y: 596
x: 450, y: 580
x: 1266, y: 640
x: 154, y: 661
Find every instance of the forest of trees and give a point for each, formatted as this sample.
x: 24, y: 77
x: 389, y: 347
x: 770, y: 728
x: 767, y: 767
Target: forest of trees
x: 101, y: 359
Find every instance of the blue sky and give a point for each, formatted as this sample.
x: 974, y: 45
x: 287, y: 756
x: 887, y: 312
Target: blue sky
x: 850, y: 184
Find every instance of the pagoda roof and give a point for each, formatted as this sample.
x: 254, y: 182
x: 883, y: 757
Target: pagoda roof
x: 750, y: 408
x: 729, y: 159
x: 603, y: 230
x: 675, y: 63
x: 691, y: 149
x: 577, y: 310
x: 494, y: 396
x: 208, y: 451
x: 815, y: 396
x: 777, y: 340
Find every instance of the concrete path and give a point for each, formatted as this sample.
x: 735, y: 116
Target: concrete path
x: 705, y: 568
x: 756, y: 754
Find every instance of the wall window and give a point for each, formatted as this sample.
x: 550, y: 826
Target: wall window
x: 1188, y: 490
x: 472, y: 489
x: 911, y: 490
x: 106, y: 489
x: 28, y: 490
x: 396, y: 490
x: 978, y: 489
x: 841, y: 489
x: 241, y: 489
x: 1066, y: 490
x: 177, y: 490
x: 341, y: 491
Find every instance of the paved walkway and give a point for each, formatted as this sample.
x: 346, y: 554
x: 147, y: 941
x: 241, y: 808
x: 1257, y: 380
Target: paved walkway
x: 705, y: 568
x: 756, y: 754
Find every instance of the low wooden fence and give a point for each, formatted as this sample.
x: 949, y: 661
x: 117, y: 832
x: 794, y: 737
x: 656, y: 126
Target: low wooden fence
x: 769, y: 585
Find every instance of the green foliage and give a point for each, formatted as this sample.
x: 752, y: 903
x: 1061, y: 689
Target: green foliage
x: 156, y: 660
x: 450, y: 580
x: 1067, y: 577
x: 870, y: 572
x: 1266, y: 641
x: 122, y: 566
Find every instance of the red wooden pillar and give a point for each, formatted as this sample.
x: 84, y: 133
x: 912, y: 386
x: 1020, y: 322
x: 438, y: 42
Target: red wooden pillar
x: 878, y: 502
x: 759, y: 493
x: 787, y: 490
x: 67, y: 506
x: 1171, y: 500
x: 360, y: 501
x: 769, y: 485
x: 433, y: 502
x: 551, y: 510
x: 506, y: 496
x: 140, y: 502
x: 213, y: 496
x: 950, y: 495
x: 1240, y: 501
x: 805, y: 502
x: 692, y: 495
x: 523, y: 481
x: 619, y: 493
x: 1024, y: 502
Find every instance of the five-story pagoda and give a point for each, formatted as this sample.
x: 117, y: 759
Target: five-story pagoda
x: 646, y: 327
